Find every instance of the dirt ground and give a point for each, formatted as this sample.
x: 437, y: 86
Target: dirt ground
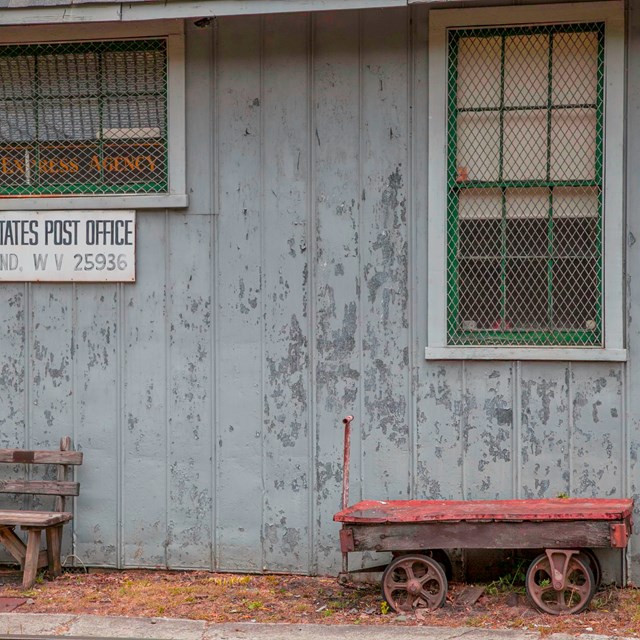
x: 220, y: 597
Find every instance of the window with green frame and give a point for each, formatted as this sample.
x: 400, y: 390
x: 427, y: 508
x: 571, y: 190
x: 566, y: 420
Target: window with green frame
x: 84, y: 118
x: 525, y: 185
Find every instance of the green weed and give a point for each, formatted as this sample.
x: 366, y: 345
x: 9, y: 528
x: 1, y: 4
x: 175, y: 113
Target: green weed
x: 510, y: 582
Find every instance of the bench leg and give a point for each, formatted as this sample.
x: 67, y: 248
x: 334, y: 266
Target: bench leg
x: 31, y: 558
x: 54, y: 543
x: 13, y: 544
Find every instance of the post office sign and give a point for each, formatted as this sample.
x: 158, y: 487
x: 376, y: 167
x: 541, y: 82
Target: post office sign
x: 67, y: 246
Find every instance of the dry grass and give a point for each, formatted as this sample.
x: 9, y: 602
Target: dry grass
x: 282, y: 598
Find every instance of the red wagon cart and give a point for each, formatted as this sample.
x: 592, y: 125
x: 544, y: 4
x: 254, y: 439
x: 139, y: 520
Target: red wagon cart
x: 561, y: 580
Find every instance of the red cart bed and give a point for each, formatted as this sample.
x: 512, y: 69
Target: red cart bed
x: 561, y: 580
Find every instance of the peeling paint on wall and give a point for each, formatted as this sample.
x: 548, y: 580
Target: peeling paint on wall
x: 208, y: 395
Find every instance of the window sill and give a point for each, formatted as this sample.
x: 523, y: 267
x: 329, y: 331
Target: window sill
x: 526, y: 353
x: 155, y: 201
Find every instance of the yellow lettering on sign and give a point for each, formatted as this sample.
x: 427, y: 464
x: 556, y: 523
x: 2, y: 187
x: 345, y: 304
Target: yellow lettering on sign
x: 116, y: 164
x: 5, y: 166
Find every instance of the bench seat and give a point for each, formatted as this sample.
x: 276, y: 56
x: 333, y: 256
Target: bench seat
x: 27, y: 519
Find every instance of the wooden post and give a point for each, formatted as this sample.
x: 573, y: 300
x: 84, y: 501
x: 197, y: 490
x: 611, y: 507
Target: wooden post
x: 63, y: 469
x: 31, y: 559
x: 54, y: 543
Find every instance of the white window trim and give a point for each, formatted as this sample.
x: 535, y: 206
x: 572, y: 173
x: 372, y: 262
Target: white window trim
x: 173, y: 30
x: 612, y: 14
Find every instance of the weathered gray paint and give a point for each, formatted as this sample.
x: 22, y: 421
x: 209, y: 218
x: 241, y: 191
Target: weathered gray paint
x: 207, y: 396
x: 631, y: 417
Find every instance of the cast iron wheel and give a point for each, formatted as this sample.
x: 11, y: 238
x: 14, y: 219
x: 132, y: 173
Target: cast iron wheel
x: 412, y: 582
x: 577, y: 592
x: 594, y: 565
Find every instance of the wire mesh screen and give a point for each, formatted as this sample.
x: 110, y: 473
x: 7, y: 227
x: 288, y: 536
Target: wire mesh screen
x: 83, y: 118
x: 524, y: 173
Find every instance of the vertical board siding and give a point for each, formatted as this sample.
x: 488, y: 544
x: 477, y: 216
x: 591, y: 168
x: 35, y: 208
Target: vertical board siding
x: 51, y: 364
x: 488, y: 429
x: 144, y: 517
x: 440, y: 469
x: 239, y: 311
x: 384, y: 255
x: 201, y: 129
x: 631, y: 423
x: 51, y: 375
x: 97, y: 422
x: 14, y: 376
x: 545, y: 431
x: 207, y: 397
x: 190, y: 468
x: 13, y: 365
x: 285, y: 157
x: 336, y: 267
x: 597, y: 430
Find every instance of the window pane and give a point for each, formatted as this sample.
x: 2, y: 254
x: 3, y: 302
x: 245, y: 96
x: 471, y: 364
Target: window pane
x: 575, y: 293
x: 527, y: 294
x: 481, y: 238
x: 573, y: 144
x: 526, y: 57
x: 575, y: 68
x: 576, y: 237
x: 527, y: 202
x: 134, y: 117
x: 17, y: 74
x: 478, y: 71
x: 527, y: 238
x: 576, y: 202
x: 68, y: 74
x: 480, y: 204
x: 17, y: 121
x: 525, y: 145
x: 479, y: 145
x: 68, y: 163
x: 15, y: 165
x: 134, y: 72
x: 69, y: 119
x: 480, y: 294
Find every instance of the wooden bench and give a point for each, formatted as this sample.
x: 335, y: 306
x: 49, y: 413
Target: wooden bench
x: 34, y: 521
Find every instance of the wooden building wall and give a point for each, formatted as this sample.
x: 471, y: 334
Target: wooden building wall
x: 208, y: 395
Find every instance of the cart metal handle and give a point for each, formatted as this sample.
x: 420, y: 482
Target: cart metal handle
x: 346, y: 461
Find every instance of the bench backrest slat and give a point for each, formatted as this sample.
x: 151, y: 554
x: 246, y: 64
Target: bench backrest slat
x: 40, y: 487
x: 63, y: 460
x: 20, y: 456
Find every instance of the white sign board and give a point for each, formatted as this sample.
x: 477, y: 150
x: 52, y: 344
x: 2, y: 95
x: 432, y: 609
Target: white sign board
x: 67, y: 246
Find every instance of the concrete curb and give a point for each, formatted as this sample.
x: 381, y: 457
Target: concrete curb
x: 87, y: 626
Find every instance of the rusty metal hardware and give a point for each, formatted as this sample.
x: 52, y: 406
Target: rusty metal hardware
x: 559, y: 561
x: 346, y: 540
x: 619, y: 535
